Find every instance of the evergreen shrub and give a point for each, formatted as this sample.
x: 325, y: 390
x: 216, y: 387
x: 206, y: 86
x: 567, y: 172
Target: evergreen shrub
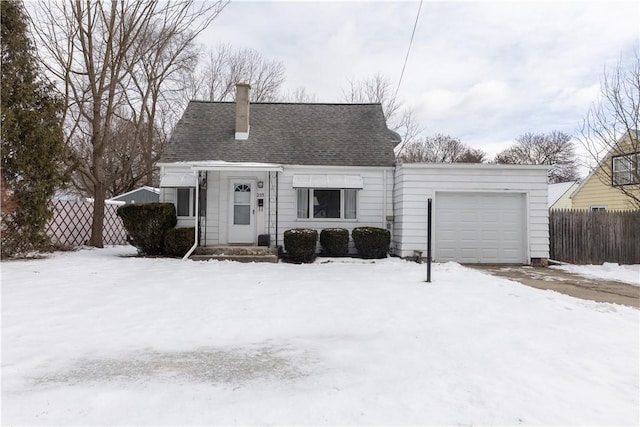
x: 371, y: 242
x: 147, y: 223
x: 300, y: 244
x: 178, y: 241
x: 335, y: 241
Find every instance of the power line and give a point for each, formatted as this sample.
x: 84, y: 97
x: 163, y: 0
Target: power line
x: 406, y: 58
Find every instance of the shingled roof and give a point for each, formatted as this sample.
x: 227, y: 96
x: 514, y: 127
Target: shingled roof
x: 284, y: 133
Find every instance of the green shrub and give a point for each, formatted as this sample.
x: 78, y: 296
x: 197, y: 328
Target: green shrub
x: 178, y: 241
x: 300, y: 244
x: 147, y: 223
x: 335, y: 241
x: 371, y: 242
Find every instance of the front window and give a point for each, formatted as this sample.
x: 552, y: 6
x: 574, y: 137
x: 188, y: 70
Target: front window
x: 626, y: 169
x: 327, y: 203
x: 185, y: 201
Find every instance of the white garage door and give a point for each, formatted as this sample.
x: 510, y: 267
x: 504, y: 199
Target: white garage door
x: 479, y: 227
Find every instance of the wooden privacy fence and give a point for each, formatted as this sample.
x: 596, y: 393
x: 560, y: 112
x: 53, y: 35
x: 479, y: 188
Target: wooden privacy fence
x: 71, y: 224
x: 594, y: 237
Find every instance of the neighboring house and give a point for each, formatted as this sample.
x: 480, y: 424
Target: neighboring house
x: 598, y: 191
x: 243, y: 174
x: 139, y: 195
x: 559, y: 194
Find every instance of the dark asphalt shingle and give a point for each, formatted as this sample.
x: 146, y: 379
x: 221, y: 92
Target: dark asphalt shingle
x: 294, y: 134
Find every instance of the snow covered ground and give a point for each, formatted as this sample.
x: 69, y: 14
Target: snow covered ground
x: 609, y: 271
x: 91, y: 337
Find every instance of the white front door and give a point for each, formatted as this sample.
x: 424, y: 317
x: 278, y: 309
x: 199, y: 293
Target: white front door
x: 242, y: 214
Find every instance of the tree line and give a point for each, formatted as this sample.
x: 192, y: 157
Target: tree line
x: 94, y: 107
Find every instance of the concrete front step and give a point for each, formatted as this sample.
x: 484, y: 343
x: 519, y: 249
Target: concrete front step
x: 236, y: 253
x: 237, y: 258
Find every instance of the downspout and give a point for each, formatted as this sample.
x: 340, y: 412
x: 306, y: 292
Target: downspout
x: 277, y: 190
x: 197, y: 215
x: 384, y: 198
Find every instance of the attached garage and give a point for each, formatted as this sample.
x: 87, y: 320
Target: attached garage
x: 491, y: 214
x: 480, y: 227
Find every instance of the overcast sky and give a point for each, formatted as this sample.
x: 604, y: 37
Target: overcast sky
x: 485, y: 72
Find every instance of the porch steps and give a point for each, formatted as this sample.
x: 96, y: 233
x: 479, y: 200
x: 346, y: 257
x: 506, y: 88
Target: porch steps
x: 236, y: 253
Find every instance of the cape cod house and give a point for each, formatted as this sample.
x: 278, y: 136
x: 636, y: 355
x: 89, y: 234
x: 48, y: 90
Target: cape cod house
x: 244, y: 173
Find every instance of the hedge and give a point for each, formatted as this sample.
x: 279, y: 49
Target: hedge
x: 147, y: 223
x: 371, y: 242
x: 178, y: 241
x: 335, y: 241
x: 300, y: 244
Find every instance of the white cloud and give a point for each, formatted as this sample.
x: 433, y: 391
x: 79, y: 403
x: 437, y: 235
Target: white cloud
x: 489, y: 71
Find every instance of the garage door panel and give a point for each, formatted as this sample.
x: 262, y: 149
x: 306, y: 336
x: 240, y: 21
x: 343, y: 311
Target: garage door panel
x: 490, y: 253
x: 480, y: 227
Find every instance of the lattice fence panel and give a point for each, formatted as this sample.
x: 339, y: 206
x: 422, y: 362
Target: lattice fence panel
x: 71, y: 224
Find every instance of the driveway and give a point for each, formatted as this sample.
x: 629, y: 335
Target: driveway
x: 568, y: 283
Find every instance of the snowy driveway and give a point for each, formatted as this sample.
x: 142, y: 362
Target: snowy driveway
x: 93, y: 338
x: 602, y: 289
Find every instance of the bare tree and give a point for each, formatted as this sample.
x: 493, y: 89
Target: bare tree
x: 300, y: 95
x: 378, y: 89
x: 440, y: 149
x: 215, y: 78
x: 611, y: 129
x: 554, y: 148
x: 113, y: 61
x: 472, y: 155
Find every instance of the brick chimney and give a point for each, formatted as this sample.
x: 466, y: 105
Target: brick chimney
x: 242, y: 110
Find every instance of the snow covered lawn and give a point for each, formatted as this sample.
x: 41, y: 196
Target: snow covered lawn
x: 609, y: 271
x: 91, y: 337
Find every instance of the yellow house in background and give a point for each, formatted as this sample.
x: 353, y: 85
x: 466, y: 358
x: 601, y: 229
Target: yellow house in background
x: 601, y: 189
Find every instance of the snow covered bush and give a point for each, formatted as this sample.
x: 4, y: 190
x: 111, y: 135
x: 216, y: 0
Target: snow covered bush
x: 146, y: 225
x: 300, y: 244
x: 335, y: 241
x: 371, y: 242
x: 178, y: 241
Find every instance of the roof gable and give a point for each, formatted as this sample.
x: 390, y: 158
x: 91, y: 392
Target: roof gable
x: 556, y: 191
x: 284, y: 133
x: 622, y: 147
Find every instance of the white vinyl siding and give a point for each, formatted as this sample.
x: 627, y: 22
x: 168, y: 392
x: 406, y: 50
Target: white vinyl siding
x: 370, y: 207
x: 415, y: 183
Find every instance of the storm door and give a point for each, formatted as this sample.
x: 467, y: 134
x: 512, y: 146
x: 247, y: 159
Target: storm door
x: 242, y: 212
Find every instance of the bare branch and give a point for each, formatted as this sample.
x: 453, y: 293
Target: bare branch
x: 611, y: 128
x: 116, y: 60
x: 554, y: 148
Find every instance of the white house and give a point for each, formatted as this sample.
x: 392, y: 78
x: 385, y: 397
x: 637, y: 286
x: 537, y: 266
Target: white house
x: 244, y: 173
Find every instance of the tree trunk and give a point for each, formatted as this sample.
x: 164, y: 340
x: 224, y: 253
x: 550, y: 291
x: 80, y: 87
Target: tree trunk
x: 97, y: 224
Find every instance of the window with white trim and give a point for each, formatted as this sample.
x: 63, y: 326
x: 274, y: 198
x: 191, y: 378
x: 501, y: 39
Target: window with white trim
x: 598, y: 207
x: 626, y: 169
x: 185, y: 201
x: 321, y: 203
